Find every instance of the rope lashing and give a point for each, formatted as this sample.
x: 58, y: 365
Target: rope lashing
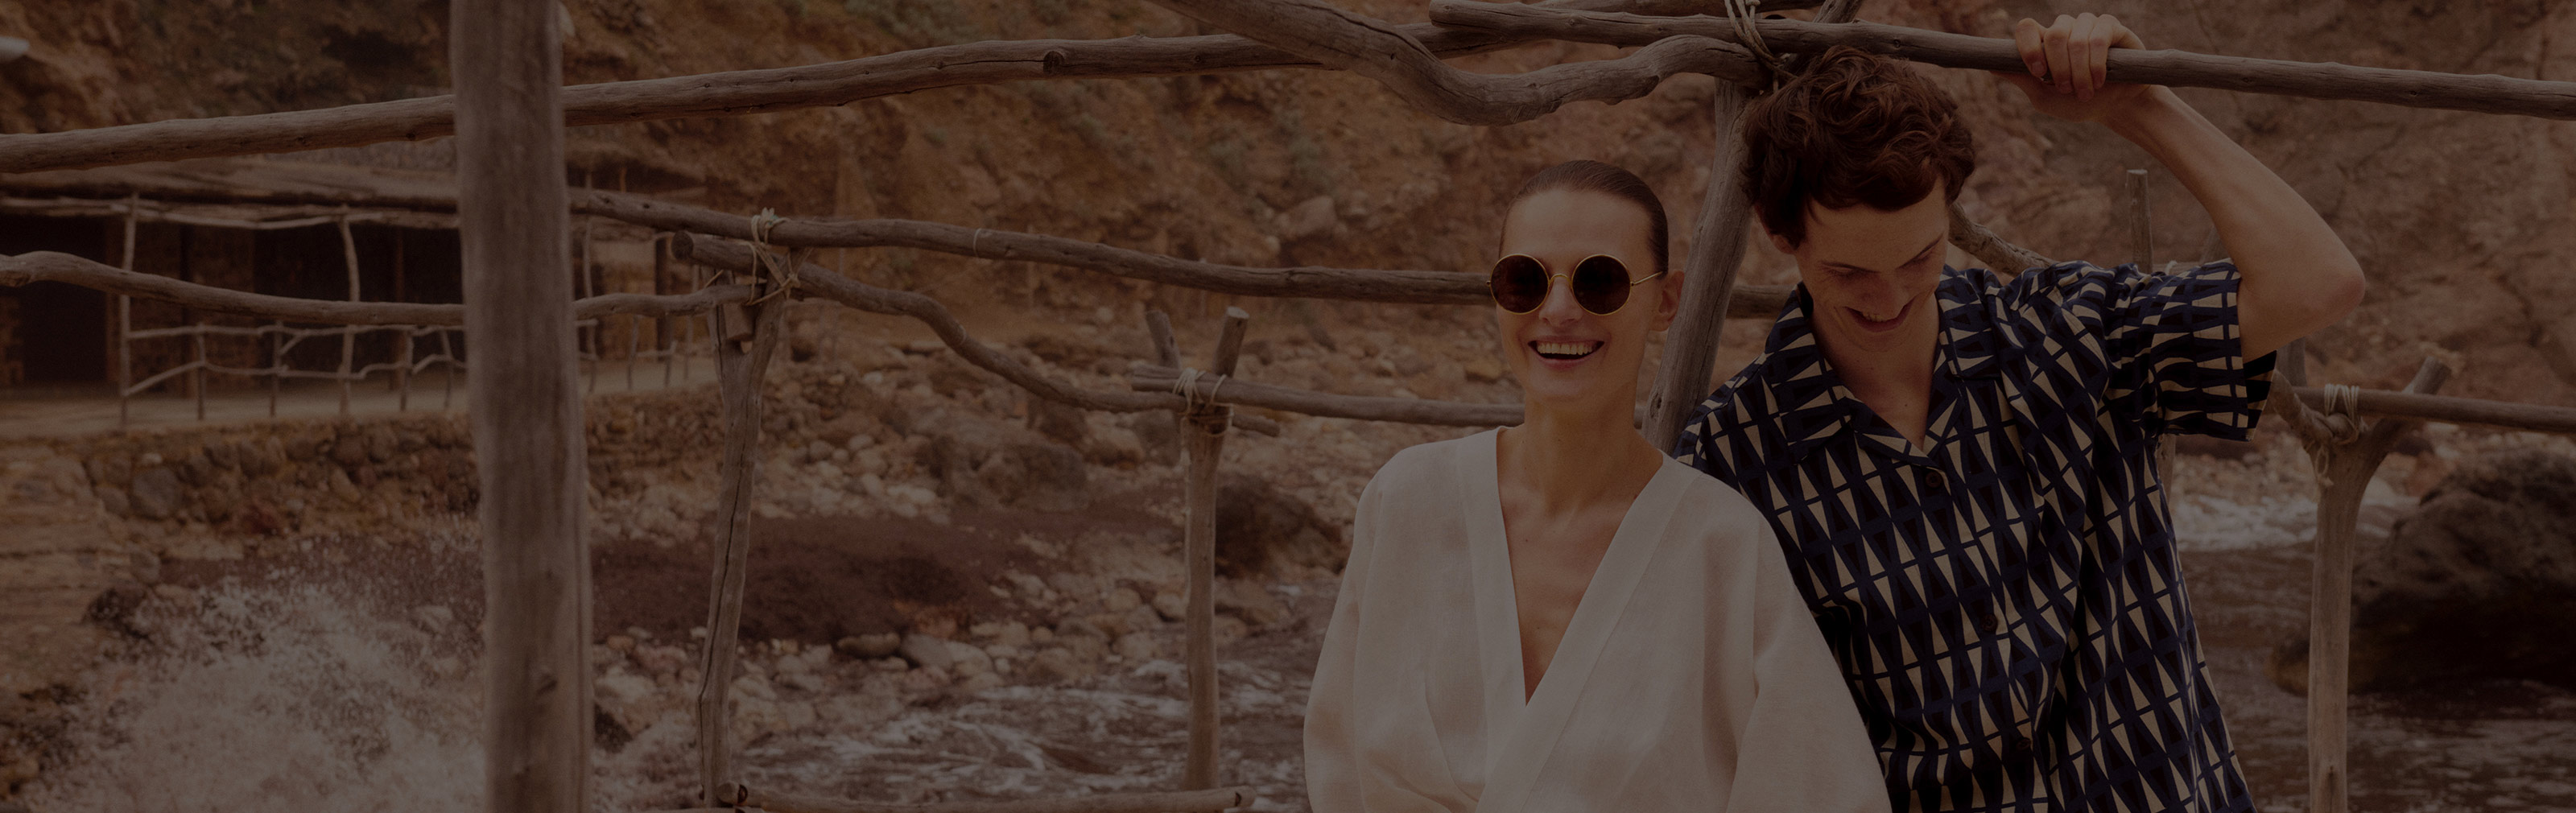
x: 2340, y: 423
x: 781, y: 271
x: 1741, y: 13
x: 1187, y: 387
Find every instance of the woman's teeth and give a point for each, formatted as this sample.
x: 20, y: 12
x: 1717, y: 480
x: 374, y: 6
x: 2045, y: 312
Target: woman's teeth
x: 1565, y: 350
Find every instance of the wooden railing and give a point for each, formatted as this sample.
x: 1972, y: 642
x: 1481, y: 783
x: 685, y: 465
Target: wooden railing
x: 536, y: 718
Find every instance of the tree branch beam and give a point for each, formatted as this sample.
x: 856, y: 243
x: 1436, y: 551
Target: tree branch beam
x: 1388, y: 53
x: 730, y: 93
x: 52, y: 266
x: 2483, y: 93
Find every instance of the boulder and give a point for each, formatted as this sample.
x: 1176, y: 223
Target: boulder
x: 156, y: 494
x: 927, y: 651
x: 2473, y: 585
x: 1258, y: 528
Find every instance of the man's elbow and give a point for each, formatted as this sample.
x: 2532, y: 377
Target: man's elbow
x: 2343, y: 292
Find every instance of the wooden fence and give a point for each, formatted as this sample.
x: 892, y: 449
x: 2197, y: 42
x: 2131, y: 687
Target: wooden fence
x: 526, y: 411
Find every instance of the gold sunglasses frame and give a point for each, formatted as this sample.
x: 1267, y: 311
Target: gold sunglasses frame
x: 1552, y: 277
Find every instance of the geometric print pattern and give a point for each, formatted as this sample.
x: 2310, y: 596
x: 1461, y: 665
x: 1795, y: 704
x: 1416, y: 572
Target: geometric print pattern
x: 2006, y: 605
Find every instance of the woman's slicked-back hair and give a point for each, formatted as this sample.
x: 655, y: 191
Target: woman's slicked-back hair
x: 1853, y: 128
x: 1594, y: 176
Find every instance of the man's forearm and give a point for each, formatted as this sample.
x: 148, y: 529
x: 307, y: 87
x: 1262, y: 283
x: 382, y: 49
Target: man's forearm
x: 2297, y: 274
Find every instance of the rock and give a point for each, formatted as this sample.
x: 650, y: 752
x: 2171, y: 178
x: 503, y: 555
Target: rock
x: 1058, y: 664
x: 1138, y: 646
x: 969, y: 660
x: 1259, y: 528
x: 1171, y: 606
x: 263, y: 457
x: 1072, y: 628
x: 1311, y: 218
x: 1483, y: 368
x: 434, y: 619
x: 381, y: 443
x: 156, y: 493
x: 1159, y: 436
x: 1060, y: 422
x: 630, y: 699
x: 1250, y: 601
x: 980, y: 682
x: 1073, y: 584
x: 621, y: 642
x: 350, y: 451
x: 1230, y: 629
x: 114, y: 501
x: 927, y: 651
x: 1140, y: 618
x: 806, y: 682
x: 2473, y: 585
x: 661, y: 660
x: 1122, y: 600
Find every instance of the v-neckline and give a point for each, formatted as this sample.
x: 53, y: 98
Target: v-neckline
x: 1522, y: 723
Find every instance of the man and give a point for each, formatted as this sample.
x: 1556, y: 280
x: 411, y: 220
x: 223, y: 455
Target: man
x: 1959, y: 464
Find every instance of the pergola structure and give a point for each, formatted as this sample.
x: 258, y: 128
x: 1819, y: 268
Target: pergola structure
x: 512, y: 207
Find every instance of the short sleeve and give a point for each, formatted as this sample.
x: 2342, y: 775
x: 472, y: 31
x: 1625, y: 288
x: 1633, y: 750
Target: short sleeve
x: 2166, y: 347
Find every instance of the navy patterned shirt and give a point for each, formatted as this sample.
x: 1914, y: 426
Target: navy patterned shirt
x: 2005, y: 604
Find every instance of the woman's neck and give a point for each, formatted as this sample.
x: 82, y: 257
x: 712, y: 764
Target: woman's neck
x: 1571, y: 458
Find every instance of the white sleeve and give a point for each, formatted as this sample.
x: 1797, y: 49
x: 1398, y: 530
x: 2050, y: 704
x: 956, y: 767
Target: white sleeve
x: 1333, y: 774
x: 1803, y: 746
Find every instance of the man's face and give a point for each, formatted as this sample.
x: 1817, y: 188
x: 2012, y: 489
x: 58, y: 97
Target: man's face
x: 1871, y: 273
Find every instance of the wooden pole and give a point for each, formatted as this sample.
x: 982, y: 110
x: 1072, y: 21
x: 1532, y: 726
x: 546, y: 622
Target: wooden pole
x: 506, y: 58
x: 2344, y: 471
x: 589, y: 335
x: 1717, y: 248
x: 447, y: 383
x: 739, y: 367
x: 1205, y: 430
x: 125, y: 322
x: 348, y: 335
x: 277, y: 369
x: 662, y: 333
x: 197, y: 377
x: 402, y: 374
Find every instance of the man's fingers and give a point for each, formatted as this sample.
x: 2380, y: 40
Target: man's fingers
x: 2092, y: 49
x: 2060, y: 67
x: 2098, y: 57
x: 2027, y: 36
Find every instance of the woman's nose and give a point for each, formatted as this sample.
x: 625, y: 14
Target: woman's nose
x: 1559, y: 306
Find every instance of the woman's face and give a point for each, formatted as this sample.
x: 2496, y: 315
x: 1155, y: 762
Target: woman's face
x: 1567, y: 357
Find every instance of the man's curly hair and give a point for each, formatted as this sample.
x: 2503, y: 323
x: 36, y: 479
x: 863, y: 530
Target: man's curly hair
x: 1853, y: 128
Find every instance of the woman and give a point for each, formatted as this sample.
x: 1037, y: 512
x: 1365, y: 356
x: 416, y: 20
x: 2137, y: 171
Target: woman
x: 1556, y: 617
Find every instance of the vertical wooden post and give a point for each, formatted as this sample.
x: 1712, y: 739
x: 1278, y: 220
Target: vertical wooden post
x: 506, y: 58
x: 1717, y: 247
x: 125, y: 321
x: 276, y: 366
x: 447, y: 383
x: 197, y: 377
x: 662, y: 325
x: 2346, y: 469
x: 402, y: 374
x: 739, y: 367
x: 348, y: 333
x: 1205, y: 431
x: 591, y: 333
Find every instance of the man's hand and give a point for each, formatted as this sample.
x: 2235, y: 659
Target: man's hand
x: 2070, y: 64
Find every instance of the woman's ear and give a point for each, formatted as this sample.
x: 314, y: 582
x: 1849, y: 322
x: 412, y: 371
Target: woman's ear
x: 1668, y: 298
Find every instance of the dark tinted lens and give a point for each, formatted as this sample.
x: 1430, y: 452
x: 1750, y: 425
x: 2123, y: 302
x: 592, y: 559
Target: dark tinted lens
x: 1519, y: 284
x: 1601, y: 284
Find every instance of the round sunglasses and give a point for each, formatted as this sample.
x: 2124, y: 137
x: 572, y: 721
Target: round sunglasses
x: 1600, y: 283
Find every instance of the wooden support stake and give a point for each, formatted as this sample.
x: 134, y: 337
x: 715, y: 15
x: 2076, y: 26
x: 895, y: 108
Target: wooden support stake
x: 402, y: 374
x: 197, y: 377
x: 446, y: 383
x: 506, y: 60
x: 277, y: 368
x: 348, y: 337
x: 2345, y: 472
x: 1205, y: 430
x: 125, y: 322
x: 1717, y: 247
x: 739, y: 369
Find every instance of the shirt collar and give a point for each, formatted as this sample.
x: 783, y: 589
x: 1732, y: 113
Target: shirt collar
x: 1812, y: 405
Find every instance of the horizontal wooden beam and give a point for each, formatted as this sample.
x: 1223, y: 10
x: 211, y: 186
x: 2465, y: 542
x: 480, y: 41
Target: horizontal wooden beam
x: 731, y: 93
x: 1369, y: 285
x: 1157, y: 378
x: 51, y: 266
x: 1347, y: 40
x: 1149, y: 802
x: 2483, y: 93
x: 815, y: 280
x: 2454, y: 409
